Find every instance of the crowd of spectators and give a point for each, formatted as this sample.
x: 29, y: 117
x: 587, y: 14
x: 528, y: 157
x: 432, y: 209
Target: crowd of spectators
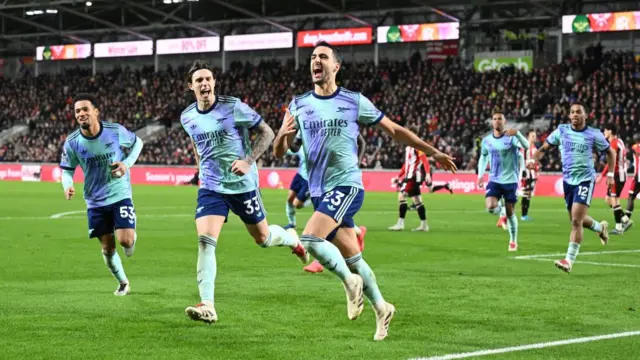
x: 447, y: 104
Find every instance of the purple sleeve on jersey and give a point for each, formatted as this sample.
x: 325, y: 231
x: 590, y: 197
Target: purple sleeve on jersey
x: 601, y: 143
x: 368, y: 114
x: 245, y: 116
x: 554, y: 137
x: 126, y: 138
x: 68, y: 160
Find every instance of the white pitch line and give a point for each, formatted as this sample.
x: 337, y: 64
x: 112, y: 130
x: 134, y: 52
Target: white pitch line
x: 59, y: 215
x: 589, y: 262
x: 525, y: 257
x: 531, y: 346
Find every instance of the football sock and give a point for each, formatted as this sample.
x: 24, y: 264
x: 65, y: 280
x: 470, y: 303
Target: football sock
x: 495, y: 211
x: 327, y: 255
x: 503, y: 210
x: 437, y: 188
x: 525, y: 206
x: 512, y: 221
x: 115, y: 266
x: 279, y: 237
x: 572, y: 252
x: 291, y: 213
x: 206, y: 275
x: 370, y: 287
x: 596, y: 227
x: 422, y: 212
x: 403, y: 209
x: 618, y: 214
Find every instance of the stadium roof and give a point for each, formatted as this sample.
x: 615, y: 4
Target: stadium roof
x: 26, y: 24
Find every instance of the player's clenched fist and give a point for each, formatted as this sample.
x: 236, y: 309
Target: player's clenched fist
x: 480, y: 184
x: 68, y: 194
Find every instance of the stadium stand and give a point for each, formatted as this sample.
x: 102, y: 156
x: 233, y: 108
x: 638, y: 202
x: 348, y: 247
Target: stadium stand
x: 448, y: 104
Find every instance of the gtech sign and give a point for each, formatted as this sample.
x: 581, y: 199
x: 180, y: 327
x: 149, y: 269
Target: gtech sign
x: 488, y: 61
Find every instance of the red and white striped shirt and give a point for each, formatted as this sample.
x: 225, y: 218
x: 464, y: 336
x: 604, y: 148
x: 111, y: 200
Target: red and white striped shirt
x: 528, y: 156
x: 416, y: 165
x: 620, y: 171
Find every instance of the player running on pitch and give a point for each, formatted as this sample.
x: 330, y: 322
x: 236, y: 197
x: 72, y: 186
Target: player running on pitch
x: 502, y: 150
x: 614, y: 192
x: 97, y: 148
x: 219, y: 127
x: 328, y: 119
x: 577, y: 143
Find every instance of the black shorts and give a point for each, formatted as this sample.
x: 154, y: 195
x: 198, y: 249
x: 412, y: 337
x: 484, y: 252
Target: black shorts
x: 615, y: 190
x: 411, y: 187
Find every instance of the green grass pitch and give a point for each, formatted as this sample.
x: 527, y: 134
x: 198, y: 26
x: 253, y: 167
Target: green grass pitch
x: 456, y: 288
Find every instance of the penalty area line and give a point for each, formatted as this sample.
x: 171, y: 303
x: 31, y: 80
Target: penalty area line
x: 531, y: 346
x: 527, y: 257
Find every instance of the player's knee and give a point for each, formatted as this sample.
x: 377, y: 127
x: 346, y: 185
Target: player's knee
x: 493, y: 210
x: 576, y: 223
x: 298, y: 204
x: 126, y: 239
x: 419, y: 205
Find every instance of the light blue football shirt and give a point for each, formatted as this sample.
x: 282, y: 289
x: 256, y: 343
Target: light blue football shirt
x: 504, y: 166
x: 576, y: 149
x: 221, y: 136
x: 95, y: 156
x: 329, y: 128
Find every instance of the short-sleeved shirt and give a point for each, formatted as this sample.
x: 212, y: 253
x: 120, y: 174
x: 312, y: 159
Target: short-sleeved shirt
x: 503, y: 152
x: 329, y: 128
x: 95, y: 156
x: 221, y: 136
x: 576, y: 149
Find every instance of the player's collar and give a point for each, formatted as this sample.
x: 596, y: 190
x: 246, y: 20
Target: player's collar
x: 326, y: 97
x: 93, y: 137
x: 583, y: 129
x: 498, y: 137
x: 215, y: 102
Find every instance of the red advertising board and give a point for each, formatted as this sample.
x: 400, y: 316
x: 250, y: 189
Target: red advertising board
x: 275, y: 178
x: 349, y: 36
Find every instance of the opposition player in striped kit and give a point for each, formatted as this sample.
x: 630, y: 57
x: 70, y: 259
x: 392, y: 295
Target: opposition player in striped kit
x: 411, y: 176
x: 529, y: 176
x: 634, y: 189
x: 619, y: 178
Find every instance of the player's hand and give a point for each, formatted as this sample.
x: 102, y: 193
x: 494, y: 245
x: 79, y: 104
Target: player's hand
x: 511, y: 132
x: 240, y: 167
x: 446, y: 161
x: 610, y: 181
x: 531, y: 165
x: 118, y: 169
x: 480, y: 184
x: 68, y: 194
x: 598, y: 179
x: 288, y: 125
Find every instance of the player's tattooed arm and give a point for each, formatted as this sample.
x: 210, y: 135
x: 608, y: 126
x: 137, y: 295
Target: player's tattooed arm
x: 611, y: 162
x: 263, y: 139
x: 362, y: 146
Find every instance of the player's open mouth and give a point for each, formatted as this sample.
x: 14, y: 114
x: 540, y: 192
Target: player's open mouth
x: 317, y: 72
x: 205, y: 92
